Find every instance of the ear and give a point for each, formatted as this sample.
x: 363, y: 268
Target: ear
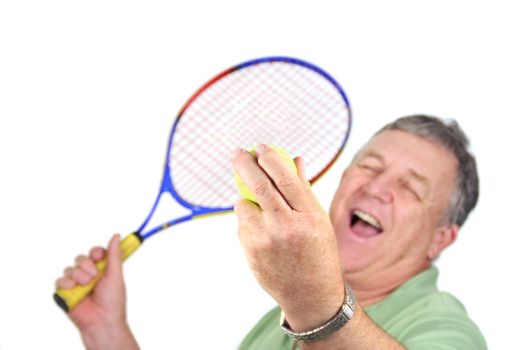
x: 443, y: 237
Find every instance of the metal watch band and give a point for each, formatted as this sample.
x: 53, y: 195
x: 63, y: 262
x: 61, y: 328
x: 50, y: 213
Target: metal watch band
x: 343, y: 316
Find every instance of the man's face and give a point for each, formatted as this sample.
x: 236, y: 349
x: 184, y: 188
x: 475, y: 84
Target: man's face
x: 390, y: 203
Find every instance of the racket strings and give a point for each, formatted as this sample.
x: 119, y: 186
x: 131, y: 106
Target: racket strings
x: 318, y: 102
x: 314, y: 102
x: 279, y: 103
x: 301, y: 94
x: 219, y: 186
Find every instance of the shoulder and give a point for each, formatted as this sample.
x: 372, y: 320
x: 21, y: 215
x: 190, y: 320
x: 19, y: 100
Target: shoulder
x: 440, y: 321
x: 420, y: 316
x: 443, y: 301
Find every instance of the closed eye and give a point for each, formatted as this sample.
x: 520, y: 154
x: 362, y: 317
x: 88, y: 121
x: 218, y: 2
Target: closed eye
x: 368, y: 167
x: 410, y: 189
x: 371, y: 162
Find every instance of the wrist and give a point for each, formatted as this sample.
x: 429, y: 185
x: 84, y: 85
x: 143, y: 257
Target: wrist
x: 309, y: 314
x: 108, y: 336
x: 325, y: 329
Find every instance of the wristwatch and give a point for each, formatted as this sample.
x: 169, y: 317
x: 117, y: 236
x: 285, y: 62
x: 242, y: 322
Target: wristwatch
x: 343, y: 316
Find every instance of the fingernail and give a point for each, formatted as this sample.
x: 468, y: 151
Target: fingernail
x: 235, y: 153
x: 260, y: 149
x: 84, y: 280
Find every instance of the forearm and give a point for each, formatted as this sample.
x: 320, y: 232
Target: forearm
x: 109, y: 337
x: 359, y: 333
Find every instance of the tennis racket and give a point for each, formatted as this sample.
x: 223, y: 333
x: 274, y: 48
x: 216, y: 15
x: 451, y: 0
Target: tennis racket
x: 281, y: 101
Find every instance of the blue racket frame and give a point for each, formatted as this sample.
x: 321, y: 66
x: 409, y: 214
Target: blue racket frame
x: 166, y: 184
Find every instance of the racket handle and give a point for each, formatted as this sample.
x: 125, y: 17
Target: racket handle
x: 67, y: 299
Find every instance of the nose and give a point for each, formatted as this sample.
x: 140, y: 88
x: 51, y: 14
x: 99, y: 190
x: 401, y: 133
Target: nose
x: 380, y: 188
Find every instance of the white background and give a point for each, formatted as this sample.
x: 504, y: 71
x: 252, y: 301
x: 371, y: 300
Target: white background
x: 88, y: 93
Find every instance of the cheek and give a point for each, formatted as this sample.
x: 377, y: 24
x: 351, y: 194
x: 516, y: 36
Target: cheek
x: 413, y: 227
x: 337, y: 208
x: 339, y: 194
x: 342, y: 197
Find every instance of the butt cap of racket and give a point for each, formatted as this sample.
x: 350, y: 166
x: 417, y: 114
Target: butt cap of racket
x: 68, y: 299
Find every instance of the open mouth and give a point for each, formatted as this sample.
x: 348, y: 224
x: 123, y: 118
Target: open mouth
x: 364, y: 224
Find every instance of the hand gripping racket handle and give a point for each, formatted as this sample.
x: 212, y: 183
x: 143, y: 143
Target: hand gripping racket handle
x: 67, y: 299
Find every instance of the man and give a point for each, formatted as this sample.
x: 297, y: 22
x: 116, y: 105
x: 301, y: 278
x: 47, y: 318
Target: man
x: 358, y: 278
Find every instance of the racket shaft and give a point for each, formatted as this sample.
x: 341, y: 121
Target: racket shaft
x: 67, y: 299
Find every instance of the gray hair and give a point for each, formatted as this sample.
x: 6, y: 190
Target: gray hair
x: 450, y: 135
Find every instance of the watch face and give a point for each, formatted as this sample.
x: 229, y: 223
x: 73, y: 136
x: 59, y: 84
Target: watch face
x: 350, y: 298
x: 348, y: 311
x: 282, y: 320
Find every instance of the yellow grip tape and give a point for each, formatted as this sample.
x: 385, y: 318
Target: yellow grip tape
x: 71, y: 297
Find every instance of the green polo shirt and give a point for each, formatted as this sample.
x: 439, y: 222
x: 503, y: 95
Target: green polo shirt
x: 416, y: 314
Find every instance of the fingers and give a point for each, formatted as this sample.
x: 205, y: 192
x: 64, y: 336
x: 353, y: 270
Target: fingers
x: 84, y: 270
x: 292, y: 185
x: 86, y: 264
x: 82, y: 273
x: 97, y: 253
x: 65, y: 283
x: 258, y: 181
x: 248, y: 212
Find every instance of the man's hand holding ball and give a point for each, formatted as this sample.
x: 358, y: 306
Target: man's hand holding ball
x: 245, y: 192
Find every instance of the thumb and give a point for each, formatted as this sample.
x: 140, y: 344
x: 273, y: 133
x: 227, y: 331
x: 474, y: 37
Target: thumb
x: 114, y: 257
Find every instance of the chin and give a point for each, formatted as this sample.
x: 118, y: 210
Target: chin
x: 356, y: 258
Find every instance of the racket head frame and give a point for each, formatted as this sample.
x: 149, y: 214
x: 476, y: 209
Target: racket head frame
x: 167, y: 183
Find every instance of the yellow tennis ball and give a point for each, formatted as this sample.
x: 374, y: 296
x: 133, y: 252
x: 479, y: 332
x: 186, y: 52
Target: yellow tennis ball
x: 245, y: 192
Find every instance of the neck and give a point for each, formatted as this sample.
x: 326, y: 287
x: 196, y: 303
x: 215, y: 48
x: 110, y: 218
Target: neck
x: 371, y: 287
